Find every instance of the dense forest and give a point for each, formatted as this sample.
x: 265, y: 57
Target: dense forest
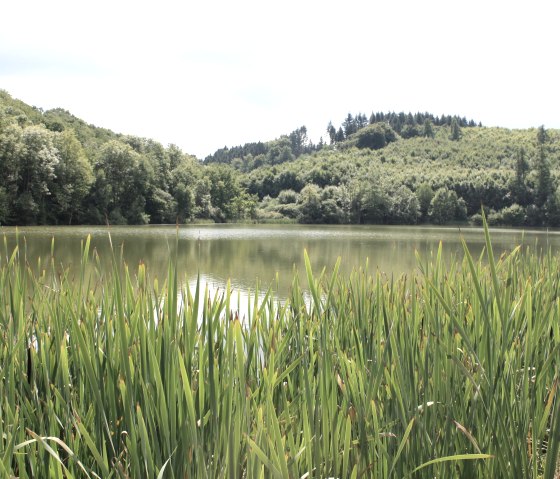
x: 56, y: 169
x: 393, y: 168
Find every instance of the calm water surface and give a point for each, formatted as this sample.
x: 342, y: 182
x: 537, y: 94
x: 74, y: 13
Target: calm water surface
x: 246, y: 254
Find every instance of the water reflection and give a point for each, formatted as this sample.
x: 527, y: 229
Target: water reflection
x: 250, y: 253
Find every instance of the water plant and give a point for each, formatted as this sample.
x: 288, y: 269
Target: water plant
x: 450, y: 372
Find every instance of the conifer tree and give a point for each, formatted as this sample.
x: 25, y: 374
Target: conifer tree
x: 428, y: 129
x: 519, y: 187
x: 339, y: 135
x: 331, y: 130
x: 544, y: 187
x: 455, y: 130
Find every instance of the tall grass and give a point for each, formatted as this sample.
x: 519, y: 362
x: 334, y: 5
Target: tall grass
x: 452, y: 372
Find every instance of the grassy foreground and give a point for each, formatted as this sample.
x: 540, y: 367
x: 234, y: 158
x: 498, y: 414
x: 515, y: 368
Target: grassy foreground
x: 451, y: 373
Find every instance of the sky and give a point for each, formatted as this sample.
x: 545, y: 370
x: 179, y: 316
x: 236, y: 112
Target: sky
x: 211, y: 73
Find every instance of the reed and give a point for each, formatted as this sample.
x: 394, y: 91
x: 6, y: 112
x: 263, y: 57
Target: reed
x: 451, y: 372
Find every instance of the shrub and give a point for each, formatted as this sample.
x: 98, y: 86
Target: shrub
x: 513, y: 215
x: 446, y: 206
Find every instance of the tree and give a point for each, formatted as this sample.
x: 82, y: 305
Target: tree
x: 224, y: 189
x: 184, y: 179
x: 203, y: 199
x: 280, y: 151
x: 37, y: 160
x: 350, y: 126
x: 455, y: 130
x: 10, y: 146
x: 428, y: 130
x: 243, y: 206
x: 552, y: 210
x: 371, y: 203
x: 424, y: 194
x: 285, y: 155
x: 159, y: 158
x: 175, y: 156
x: 339, y: 135
x: 375, y: 136
x: 410, y: 131
x: 361, y: 121
x: 4, y: 205
x: 287, y: 196
x: 544, y: 186
x: 513, y: 215
x: 73, y: 177
x: 331, y: 130
x: 299, y: 141
x: 404, y: 207
x: 161, y: 206
x: 519, y: 188
x: 122, y: 179
x: 310, y: 204
x: 542, y: 136
x: 446, y: 206
x: 331, y: 210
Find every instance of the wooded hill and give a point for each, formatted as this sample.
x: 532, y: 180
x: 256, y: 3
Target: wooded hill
x: 385, y: 168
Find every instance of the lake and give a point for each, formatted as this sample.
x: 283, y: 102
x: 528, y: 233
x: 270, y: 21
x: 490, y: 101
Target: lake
x: 249, y: 253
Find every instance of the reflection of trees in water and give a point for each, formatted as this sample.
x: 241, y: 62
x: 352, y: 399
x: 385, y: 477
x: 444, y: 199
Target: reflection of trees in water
x: 391, y: 250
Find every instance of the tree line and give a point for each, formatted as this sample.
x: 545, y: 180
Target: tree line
x: 56, y: 169
x: 249, y: 156
x: 406, y: 125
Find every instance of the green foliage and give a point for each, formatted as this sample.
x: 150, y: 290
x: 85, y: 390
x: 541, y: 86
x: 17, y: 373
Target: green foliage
x: 58, y: 169
x: 406, y: 125
x: 520, y: 190
x: 119, y: 184
x: 287, y: 196
x: 404, y: 206
x: 310, y: 201
x: 223, y: 190
x: 243, y: 207
x: 513, y: 215
x: 410, y: 131
x: 73, y: 178
x: 542, y: 136
x: 280, y: 152
x: 445, y: 207
x: 424, y: 193
x: 371, y: 203
x: 349, y: 126
x: 253, y: 155
x: 318, y: 205
x: 375, y: 136
x: 455, y: 130
x: 183, y: 180
x: 544, y: 185
x: 4, y: 204
x: 428, y: 129
x: 482, y: 169
x: 551, y: 210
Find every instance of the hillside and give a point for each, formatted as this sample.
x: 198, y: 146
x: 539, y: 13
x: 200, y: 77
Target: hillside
x: 57, y: 169
x: 507, y: 171
x: 390, y: 168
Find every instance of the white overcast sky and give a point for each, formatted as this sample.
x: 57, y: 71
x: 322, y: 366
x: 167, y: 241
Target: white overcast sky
x: 206, y: 74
